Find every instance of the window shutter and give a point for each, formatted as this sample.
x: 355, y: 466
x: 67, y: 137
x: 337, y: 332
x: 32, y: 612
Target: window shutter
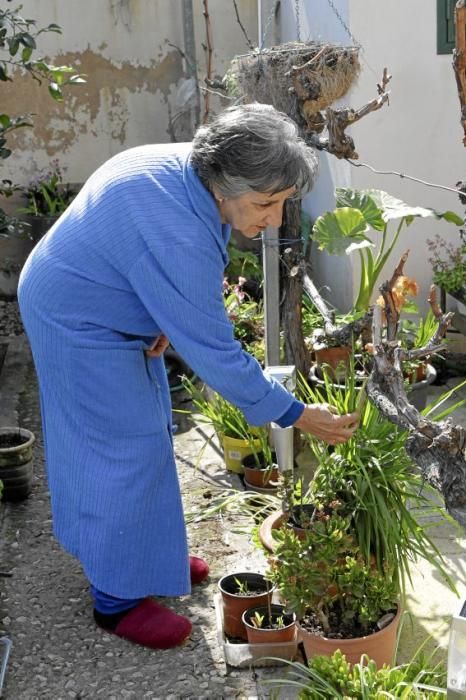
x: 445, y: 26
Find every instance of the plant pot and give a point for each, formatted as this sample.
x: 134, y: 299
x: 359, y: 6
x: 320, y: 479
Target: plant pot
x: 273, y: 522
x: 234, y: 604
x: 39, y: 224
x: 379, y: 646
x: 333, y: 357
x: 257, y: 473
x: 16, y: 463
x: 270, y: 635
x: 235, y: 450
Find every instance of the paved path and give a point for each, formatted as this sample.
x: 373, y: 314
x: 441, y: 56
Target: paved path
x: 45, y: 608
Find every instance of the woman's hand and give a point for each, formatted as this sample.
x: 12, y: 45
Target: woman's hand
x: 320, y: 420
x: 158, y: 347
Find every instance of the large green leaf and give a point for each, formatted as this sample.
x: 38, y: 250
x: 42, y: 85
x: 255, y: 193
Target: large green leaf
x: 335, y: 231
x: 393, y: 208
x: 357, y: 199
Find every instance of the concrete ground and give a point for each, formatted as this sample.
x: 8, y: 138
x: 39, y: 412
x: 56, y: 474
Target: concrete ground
x: 45, y: 609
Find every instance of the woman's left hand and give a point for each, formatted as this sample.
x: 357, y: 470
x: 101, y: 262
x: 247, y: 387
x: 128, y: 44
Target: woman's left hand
x: 158, y: 347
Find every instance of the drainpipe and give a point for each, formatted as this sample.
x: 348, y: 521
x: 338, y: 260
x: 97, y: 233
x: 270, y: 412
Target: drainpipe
x: 190, y: 53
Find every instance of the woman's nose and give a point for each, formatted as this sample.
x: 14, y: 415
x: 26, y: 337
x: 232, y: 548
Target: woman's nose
x: 275, y: 216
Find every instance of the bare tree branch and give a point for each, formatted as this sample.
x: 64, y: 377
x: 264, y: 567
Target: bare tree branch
x: 208, y: 50
x: 248, y: 40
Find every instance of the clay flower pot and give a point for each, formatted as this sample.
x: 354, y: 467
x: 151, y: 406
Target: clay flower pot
x: 258, y: 473
x: 235, y: 603
x: 379, y: 646
x: 266, y: 634
x: 16, y: 463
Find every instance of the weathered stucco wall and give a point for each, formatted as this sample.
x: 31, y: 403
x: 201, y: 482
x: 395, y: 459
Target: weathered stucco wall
x: 130, y: 52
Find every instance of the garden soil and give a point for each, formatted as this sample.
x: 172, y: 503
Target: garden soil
x: 45, y: 608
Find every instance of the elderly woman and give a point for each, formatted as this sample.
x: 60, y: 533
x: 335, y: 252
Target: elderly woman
x: 136, y: 259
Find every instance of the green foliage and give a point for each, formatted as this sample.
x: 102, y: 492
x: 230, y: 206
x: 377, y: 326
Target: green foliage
x: 246, y: 315
x: 17, y: 45
x: 324, y: 573
x: 448, y: 263
x: 226, y: 419
x: 347, y: 228
x: 333, y: 678
x: 242, y: 263
x: 376, y: 483
x: 48, y: 194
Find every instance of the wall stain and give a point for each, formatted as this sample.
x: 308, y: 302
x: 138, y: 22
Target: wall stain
x: 56, y: 125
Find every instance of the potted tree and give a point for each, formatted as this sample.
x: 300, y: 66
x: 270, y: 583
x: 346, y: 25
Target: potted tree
x: 340, y: 600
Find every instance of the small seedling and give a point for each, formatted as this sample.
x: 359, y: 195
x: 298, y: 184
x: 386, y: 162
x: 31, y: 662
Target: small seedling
x: 257, y: 620
x: 242, y: 587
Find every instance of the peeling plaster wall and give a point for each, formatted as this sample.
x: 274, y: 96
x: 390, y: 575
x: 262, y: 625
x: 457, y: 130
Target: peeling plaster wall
x: 133, y: 74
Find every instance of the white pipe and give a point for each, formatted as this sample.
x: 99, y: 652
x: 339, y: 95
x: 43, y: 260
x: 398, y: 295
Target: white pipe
x: 259, y: 23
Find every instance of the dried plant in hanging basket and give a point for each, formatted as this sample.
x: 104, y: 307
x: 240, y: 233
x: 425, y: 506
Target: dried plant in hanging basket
x: 299, y: 79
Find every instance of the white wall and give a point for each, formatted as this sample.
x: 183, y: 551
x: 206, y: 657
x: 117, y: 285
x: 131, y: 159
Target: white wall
x: 331, y: 274
x: 419, y: 133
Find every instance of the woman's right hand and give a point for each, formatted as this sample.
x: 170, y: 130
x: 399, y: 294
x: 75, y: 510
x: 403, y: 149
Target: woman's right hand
x: 321, y: 421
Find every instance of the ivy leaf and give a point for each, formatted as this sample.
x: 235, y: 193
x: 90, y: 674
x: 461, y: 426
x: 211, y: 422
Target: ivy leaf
x: 55, y: 92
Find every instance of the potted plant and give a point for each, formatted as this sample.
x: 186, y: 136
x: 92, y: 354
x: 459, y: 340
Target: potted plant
x: 16, y: 463
x: 269, y: 624
x: 371, y: 481
x: 247, y: 316
x: 46, y: 198
x: 334, y: 678
x: 260, y: 467
x: 449, y: 265
x: 340, y: 600
x: 241, y: 591
x: 237, y: 437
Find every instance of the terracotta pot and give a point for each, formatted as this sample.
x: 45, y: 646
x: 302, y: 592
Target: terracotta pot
x: 257, y: 473
x: 379, y: 646
x: 235, y: 604
x: 16, y: 463
x: 333, y: 356
x: 273, y: 522
x: 270, y: 635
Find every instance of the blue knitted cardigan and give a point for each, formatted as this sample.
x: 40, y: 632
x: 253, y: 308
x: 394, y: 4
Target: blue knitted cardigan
x: 140, y: 251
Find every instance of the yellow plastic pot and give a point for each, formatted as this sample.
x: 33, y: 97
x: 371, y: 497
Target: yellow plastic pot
x: 234, y: 451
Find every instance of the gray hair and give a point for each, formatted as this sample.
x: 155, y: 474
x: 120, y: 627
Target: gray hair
x: 253, y: 147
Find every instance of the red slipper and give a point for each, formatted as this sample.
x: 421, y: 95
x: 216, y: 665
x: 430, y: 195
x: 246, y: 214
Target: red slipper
x: 199, y: 569
x: 152, y: 625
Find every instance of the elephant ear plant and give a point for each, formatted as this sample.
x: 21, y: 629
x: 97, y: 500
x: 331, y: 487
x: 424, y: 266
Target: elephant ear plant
x: 358, y: 214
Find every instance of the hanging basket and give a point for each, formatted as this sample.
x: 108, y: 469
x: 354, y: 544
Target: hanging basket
x: 297, y: 78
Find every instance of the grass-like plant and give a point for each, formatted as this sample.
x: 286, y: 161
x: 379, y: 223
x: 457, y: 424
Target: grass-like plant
x: 376, y: 483
x: 214, y: 410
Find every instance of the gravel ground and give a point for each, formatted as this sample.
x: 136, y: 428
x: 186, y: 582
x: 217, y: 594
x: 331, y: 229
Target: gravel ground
x: 58, y: 652
x: 10, y: 321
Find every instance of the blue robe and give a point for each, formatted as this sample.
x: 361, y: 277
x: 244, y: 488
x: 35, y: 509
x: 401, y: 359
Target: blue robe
x: 141, y: 251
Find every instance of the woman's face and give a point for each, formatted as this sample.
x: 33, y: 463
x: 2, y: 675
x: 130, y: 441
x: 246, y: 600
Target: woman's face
x: 252, y: 212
